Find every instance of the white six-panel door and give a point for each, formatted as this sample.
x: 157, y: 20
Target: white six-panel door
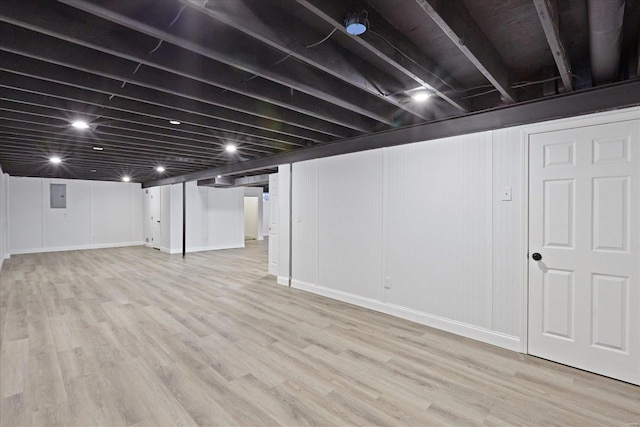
x: 154, y: 196
x: 584, y: 222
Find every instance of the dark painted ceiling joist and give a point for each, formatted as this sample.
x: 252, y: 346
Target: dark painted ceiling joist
x: 121, y: 58
x: 287, y: 38
x: 155, y: 89
x: 38, y: 92
x: 416, y: 69
x: 456, y: 22
x: 244, y: 58
x: 55, y: 85
x: 560, y: 106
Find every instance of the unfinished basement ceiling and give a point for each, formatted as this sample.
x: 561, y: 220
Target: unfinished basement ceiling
x: 275, y: 76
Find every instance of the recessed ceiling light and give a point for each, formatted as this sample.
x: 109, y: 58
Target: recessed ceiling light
x: 80, y: 124
x: 230, y: 148
x: 93, y: 171
x: 219, y: 176
x: 421, y: 96
x: 55, y: 160
x: 126, y: 179
x: 160, y: 169
x: 174, y: 122
x: 98, y: 148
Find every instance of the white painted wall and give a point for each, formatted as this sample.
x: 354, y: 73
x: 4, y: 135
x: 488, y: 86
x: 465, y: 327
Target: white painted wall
x: 98, y: 214
x: 4, y: 216
x: 266, y: 215
x: 251, y: 218
x: 284, y: 182
x: 419, y: 216
x: 166, y: 220
x: 215, y: 218
x: 257, y: 192
x: 425, y: 218
x: 430, y: 218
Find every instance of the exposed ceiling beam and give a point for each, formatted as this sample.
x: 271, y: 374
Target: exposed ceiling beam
x: 287, y: 37
x: 420, y: 69
x: 177, y: 61
x: 134, y: 131
x: 550, y: 20
x: 456, y: 22
x: 244, y: 57
x: 45, y: 105
x: 55, y: 85
x: 227, y: 181
x: 148, y: 86
x: 39, y: 92
x: 560, y: 106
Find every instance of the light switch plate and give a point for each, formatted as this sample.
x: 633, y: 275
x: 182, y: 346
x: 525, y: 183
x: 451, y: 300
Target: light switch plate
x: 506, y: 194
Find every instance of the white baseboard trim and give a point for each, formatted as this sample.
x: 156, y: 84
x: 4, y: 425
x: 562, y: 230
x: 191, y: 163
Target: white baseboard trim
x: 281, y: 280
x: 75, y: 248
x: 477, y: 333
x: 200, y: 249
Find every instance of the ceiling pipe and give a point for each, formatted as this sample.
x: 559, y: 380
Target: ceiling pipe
x: 605, y: 38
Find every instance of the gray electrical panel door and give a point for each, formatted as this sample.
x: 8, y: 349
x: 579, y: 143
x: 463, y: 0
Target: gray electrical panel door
x: 58, y: 193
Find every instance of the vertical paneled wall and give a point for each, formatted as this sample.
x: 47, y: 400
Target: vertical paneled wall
x: 4, y: 229
x: 97, y: 214
x: 284, y: 182
x: 414, y: 231
x: 215, y: 218
x: 508, y: 228
x: 305, y: 225
x: 350, y: 223
x: 438, y: 228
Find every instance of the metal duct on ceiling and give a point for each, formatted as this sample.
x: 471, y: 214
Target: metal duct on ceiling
x: 605, y: 38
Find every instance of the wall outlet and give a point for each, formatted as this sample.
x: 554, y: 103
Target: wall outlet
x: 387, y: 282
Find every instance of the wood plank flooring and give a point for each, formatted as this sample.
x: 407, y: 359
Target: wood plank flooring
x: 135, y: 337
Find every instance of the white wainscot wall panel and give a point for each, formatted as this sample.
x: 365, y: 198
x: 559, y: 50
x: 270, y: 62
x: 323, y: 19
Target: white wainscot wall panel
x: 197, y: 217
x: 509, y: 222
x: 4, y: 200
x: 70, y: 227
x: 284, y: 182
x: 438, y: 219
x: 305, y: 227
x: 350, y: 223
x: 226, y: 218
x: 116, y: 213
x: 25, y: 214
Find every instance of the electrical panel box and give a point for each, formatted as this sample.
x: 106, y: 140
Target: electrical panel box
x: 58, y: 196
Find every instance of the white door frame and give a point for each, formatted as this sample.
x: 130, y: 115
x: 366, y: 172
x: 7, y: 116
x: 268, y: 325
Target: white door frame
x: 528, y: 130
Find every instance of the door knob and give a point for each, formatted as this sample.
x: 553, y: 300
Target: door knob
x: 536, y: 256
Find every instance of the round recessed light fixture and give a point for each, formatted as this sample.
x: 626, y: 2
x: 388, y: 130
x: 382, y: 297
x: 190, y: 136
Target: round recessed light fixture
x: 160, y: 169
x: 80, y: 124
x: 55, y: 160
x: 421, y: 96
x: 126, y: 179
x: 230, y: 148
x: 174, y: 122
x: 98, y: 148
x: 219, y: 176
x: 356, y: 23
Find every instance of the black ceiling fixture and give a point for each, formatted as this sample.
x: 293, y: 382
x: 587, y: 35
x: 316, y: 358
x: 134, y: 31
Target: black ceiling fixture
x: 357, y: 23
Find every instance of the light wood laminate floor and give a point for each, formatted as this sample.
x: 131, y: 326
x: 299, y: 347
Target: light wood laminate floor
x: 135, y: 337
